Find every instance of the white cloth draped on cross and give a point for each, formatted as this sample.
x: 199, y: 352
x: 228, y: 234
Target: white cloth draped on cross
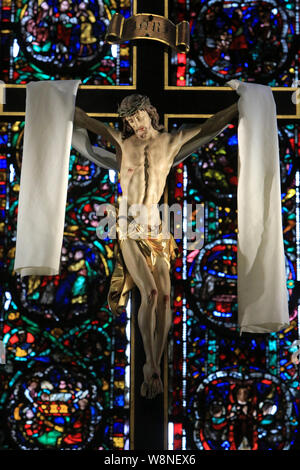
x: 49, y: 133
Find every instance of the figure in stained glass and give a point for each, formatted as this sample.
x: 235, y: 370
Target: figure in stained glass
x: 86, y: 18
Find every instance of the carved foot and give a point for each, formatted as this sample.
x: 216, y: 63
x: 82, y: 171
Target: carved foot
x: 155, y: 385
x: 144, y: 389
x: 152, y: 384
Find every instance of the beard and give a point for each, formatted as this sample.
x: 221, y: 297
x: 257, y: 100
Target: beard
x: 142, y: 134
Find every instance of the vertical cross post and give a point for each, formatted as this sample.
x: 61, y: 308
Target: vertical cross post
x: 149, y: 415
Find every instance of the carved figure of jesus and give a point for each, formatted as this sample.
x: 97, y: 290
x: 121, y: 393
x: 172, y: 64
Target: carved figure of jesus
x: 145, y: 152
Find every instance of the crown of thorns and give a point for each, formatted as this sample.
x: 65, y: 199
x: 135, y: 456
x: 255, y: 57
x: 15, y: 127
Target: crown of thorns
x: 128, y: 109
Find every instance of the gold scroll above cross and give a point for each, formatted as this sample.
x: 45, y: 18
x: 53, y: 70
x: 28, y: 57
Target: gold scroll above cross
x: 148, y: 26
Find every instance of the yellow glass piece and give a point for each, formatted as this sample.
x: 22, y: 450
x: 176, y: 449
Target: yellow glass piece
x: 118, y: 442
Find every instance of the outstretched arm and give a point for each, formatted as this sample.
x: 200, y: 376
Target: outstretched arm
x: 83, y: 121
x: 192, y: 138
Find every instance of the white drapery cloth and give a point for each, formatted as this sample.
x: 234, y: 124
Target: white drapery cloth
x: 48, y: 135
x: 261, y: 285
x: 262, y: 293
x: 44, y: 176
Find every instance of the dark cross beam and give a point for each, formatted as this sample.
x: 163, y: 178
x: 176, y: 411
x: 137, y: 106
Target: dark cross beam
x: 149, y: 417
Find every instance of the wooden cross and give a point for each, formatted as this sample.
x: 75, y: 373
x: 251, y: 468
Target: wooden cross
x: 149, y: 418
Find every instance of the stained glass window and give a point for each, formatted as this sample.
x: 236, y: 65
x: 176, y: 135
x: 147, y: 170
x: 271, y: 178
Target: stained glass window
x: 65, y: 384
x: 44, y: 40
x: 232, y: 392
x: 250, y: 40
x: 229, y: 391
x: 66, y: 380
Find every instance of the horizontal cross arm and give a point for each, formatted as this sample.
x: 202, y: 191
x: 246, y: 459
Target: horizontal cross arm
x: 200, y: 134
x: 112, y: 135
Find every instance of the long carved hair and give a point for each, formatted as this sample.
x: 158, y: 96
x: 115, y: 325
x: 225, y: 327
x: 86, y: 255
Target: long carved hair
x: 133, y: 102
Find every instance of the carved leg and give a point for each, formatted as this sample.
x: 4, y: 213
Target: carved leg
x: 164, y: 315
x: 143, y: 278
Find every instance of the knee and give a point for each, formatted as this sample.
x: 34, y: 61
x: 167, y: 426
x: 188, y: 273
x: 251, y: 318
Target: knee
x: 150, y: 297
x: 166, y: 299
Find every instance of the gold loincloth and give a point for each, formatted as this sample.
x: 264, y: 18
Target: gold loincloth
x: 150, y: 246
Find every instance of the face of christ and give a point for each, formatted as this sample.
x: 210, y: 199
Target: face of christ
x: 141, y: 124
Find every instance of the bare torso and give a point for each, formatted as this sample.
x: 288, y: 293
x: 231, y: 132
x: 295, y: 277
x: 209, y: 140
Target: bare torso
x: 144, y: 168
x: 145, y: 165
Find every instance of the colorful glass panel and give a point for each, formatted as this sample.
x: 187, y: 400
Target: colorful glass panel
x: 47, y: 40
x: 249, y: 40
x: 66, y: 380
x: 230, y: 392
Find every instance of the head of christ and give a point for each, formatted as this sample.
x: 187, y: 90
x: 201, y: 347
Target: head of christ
x: 138, y: 116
